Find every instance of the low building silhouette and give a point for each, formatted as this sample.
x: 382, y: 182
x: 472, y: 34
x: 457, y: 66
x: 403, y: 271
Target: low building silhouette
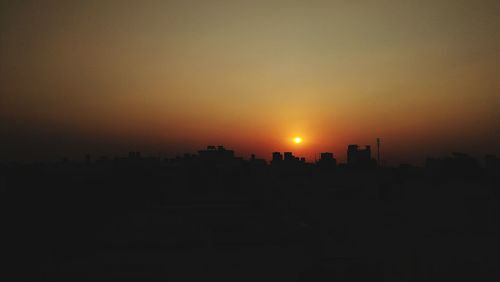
x: 255, y: 161
x: 216, y: 154
x: 459, y: 164
x: 134, y: 155
x: 492, y: 162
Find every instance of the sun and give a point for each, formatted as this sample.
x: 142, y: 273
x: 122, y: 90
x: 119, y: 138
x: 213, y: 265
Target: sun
x: 297, y: 140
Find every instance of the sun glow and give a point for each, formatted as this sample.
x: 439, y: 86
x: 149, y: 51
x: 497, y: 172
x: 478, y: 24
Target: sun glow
x: 297, y: 140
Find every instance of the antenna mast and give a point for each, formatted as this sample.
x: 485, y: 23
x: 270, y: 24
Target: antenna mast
x: 378, y: 151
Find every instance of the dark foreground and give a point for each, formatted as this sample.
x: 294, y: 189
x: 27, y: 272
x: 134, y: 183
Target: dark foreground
x: 155, y: 221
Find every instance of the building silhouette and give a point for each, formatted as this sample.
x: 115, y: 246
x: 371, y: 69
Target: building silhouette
x: 277, y: 158
x: 287, y: 159
x: 255, y: 161
x: 357, y: 157
x: 458, y: 163
x: 216, y: 154
x: 134, y: 155
x: 327, y: 160
x: 491, y: 162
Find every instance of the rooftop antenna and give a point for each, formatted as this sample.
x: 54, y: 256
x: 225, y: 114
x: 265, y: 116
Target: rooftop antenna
x: 378, y: 151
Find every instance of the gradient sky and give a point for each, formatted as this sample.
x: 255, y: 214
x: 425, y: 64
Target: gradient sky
x: 173, y: 76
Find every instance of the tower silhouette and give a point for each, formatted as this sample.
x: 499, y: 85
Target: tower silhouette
x: 378, y: 151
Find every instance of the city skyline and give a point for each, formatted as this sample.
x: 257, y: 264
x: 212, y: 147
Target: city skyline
x: 356, y: 157
x: 250, y: 140
x: 167, y: 76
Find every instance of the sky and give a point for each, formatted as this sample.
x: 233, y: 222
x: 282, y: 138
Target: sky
x: 167, y: 77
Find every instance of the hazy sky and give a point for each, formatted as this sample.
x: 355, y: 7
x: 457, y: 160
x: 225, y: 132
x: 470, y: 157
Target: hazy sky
x: 168, y: 76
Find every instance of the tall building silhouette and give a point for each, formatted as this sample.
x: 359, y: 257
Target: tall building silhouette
x: 359, y: 157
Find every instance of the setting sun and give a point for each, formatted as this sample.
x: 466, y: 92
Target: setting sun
x: 297, y: 140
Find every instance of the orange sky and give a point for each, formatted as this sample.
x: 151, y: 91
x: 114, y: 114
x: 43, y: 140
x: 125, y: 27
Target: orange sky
x: 166, y: 76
